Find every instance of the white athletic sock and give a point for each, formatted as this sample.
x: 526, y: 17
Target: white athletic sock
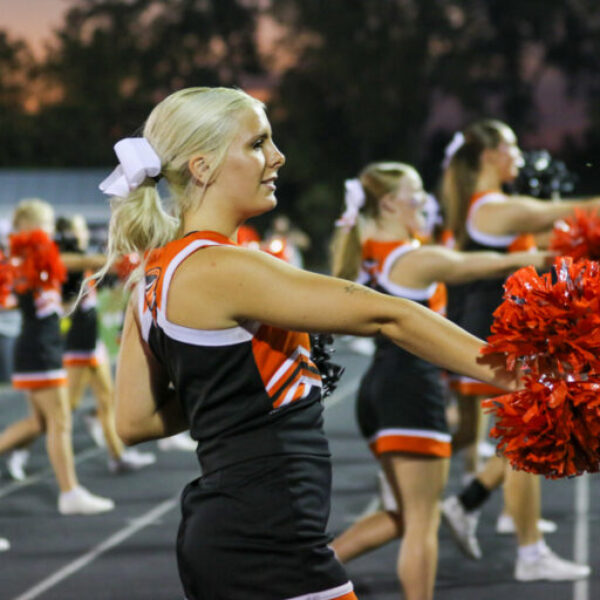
x: 71, y: 493
x: 532, y: 552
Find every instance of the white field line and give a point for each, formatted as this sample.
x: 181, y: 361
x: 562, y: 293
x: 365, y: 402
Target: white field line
x: 581, y: 588
x: 85, y: 559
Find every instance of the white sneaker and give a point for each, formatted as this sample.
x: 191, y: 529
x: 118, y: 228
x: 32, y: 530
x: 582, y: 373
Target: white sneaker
x: 386, y: 494
x: 549, y: 567
x: 506, y: 525
x: 80, y: 501
x: 4, y: 544
x: 462, y: 525
x: 181, y: 441
x: 16, y: 462
x: 94, y: 427
x: 131, y: 460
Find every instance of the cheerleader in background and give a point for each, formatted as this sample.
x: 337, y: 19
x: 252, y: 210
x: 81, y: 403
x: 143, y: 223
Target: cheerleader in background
x: 401, y: 400
x: 286, y: 241
x: 38, y: 354
x: 86, y: 359
x: 481, y: 217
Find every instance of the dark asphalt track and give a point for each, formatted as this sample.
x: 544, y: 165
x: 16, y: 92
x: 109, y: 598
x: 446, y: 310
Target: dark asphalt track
x: 128, y: 554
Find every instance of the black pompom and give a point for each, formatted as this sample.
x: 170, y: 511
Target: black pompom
x: 321, y: 351
x: 543, y: 177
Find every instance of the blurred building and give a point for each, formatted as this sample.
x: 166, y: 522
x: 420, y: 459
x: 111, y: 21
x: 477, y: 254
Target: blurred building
x: 68, y: 190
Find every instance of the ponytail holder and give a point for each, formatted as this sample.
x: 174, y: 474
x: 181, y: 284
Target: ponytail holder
x: 354, y: 200
x: 456, y: 143
x: 137, y: 161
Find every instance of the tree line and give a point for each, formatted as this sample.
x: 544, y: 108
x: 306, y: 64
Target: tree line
x: 359, y: 82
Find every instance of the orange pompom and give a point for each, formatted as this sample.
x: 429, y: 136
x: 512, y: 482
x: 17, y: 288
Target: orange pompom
x: 7, y: 276
x: 36, y: 261
x: 578, y: 236
x: 551, y: 428
x: 549, y: 326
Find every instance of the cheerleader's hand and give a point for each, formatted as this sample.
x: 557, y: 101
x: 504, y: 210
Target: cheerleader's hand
x: 505, y: 379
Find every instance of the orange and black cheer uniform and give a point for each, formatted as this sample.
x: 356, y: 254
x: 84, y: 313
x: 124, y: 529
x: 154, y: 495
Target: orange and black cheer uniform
x: 82, y: 348
x: 38, y: 349
x: 401, y: 401
x: 479, y: 299
x: 253, y: 526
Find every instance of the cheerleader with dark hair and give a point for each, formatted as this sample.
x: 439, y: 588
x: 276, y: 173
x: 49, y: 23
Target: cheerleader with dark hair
x: 38, y: 274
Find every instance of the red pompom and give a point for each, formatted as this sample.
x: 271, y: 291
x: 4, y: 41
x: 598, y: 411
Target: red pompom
x: 578, y: 236
x: 125, y: 266
x: 550, y: 327
x: 7, y: 276
x: 552, y: 427
x: 36, y: 261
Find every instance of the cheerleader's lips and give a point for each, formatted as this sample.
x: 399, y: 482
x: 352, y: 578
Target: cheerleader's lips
x: 270, y: 183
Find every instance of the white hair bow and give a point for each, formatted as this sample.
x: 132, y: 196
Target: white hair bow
x: 137, y: 160
x: 453, y: 147
x: 354, y: 199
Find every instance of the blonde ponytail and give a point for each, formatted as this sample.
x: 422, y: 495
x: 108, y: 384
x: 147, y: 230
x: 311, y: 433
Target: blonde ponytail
x: 188, y: 123
x: 377, y: 180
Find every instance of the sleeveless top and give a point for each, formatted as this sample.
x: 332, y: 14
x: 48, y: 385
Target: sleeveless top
x: 491, y: 289
x: 247, y: 391
x: 378, y: 258
x: 477, y: 240
x: 377, y: 261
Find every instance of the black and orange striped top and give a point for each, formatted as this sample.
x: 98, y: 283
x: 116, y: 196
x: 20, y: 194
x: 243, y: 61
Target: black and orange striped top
x: 248, y: 391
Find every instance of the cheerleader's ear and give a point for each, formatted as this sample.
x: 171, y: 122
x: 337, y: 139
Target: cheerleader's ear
x: 199, y: 170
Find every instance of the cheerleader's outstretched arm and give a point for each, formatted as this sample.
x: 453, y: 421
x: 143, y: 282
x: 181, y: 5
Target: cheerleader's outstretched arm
x: 224, y: 286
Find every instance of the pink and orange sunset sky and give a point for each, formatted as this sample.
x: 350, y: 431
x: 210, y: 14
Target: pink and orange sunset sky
x: 32, y: 19
x: 559, y: 114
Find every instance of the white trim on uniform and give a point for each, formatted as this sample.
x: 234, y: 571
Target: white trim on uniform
x: 363, y: 277
x: 77, y: 354
x: 207, y: 337
x: 329, y: 594
x: 144, y: 312
x: 487, y: 239
x: 189, y: 335
x: 285, y: 365
x: 176, y: 261
x: 47, y: 303
x: 308, y: 382
x: 399, y: 290
x: 421, y: 433
x: 40, y: 375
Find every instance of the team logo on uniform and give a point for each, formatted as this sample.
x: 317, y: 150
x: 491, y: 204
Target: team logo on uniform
x: 151, y: 285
